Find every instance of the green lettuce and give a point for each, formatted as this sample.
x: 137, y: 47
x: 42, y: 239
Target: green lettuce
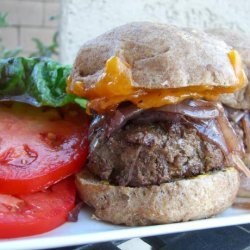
x: 36, y: 81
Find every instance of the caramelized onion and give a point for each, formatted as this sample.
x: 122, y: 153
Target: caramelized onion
x: 193, y: 108
x: 121, y: 116
x: 157, y: 116
x: 209, y: 130
x: 74, y: 213
x: 246, y: 128
x: 97, y: 123
x: 247, y: 159
x: 234, y: 115
x: 114, y: 121
x: 234, y: 144
x: 240, y: 165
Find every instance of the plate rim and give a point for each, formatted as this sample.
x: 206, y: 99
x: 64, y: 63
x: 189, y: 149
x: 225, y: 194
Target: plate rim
x: 122, y: 233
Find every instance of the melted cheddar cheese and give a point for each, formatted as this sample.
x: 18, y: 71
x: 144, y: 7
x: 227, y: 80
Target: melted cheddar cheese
x: 115, y: 86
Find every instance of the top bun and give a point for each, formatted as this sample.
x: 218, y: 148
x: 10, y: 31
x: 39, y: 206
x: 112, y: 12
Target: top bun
x: 159, y: 56
x: 241, y: 42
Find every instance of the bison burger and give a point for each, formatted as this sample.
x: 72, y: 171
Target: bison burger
x: 238, y: 104
x: 159, y: 153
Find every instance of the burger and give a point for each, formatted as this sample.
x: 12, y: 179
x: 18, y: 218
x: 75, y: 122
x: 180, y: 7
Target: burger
x: 237, y: 104
x: 161, y: 148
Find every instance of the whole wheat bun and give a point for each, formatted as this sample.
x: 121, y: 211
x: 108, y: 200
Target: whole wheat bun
x: 181, y: 200
x: 159, y: 56
x: 241, y: 42
x: 244, y: 190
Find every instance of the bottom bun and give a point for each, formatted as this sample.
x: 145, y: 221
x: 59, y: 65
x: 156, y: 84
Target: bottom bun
x: 182, y: 200
x: 244, y: 190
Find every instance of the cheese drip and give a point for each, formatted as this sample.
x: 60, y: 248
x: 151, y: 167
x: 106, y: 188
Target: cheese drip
x: 115, y: 86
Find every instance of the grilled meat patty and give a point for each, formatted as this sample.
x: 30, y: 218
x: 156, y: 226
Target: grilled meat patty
x: 147, y: 154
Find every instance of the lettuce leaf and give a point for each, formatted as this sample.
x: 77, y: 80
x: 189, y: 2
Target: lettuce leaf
x: 36, y: 81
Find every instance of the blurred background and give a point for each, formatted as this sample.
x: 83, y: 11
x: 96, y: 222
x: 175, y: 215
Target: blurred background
x: 57, y: 28
x: 29, y: 27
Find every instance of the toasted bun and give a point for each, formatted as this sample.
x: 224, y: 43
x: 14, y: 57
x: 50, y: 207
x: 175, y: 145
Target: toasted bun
x: 241, y: 42
x: 159, y: 56
x: 244, y: 190
x: 182, y: 200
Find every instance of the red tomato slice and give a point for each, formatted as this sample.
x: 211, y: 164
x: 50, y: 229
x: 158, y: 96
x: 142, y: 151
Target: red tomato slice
x: 39, y: 146
x: 36, y: 213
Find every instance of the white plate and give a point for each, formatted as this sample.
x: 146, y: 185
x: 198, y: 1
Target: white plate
x: 87, y: 230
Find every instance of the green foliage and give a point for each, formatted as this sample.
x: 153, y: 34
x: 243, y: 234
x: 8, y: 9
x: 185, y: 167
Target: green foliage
x: 52, y: 18
x: 46, y: 51
x: 3, y: 22
x: 6, y: 53
x: 36, y: 81
x: 42, y: 50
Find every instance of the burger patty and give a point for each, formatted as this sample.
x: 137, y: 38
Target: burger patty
x: 146, y: 154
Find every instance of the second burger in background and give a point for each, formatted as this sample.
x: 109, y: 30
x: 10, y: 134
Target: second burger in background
x: 238, y: 104
x: 160, y: 147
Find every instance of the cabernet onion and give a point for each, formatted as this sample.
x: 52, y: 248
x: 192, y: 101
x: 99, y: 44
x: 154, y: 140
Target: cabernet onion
x: 193, y: 108
x: 210, y: 131
x: 234, y: 144
x: 246, y: 128
x: 208, y: 118
x: 112, y: 122
x: 234, y: 115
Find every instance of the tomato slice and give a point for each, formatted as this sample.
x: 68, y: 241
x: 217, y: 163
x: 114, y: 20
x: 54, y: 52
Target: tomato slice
x: 36, y: 213
x: 39, y: 146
